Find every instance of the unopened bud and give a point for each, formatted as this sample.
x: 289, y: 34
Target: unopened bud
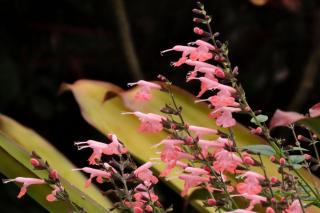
x: 307, y: 156
x: 273, y: 200
x: 199, y: 21
x: 54, y: 174
x: 197, y: 11
x: 272, y: 158
x: 256, y: 131
x: 274, y: 179
x: 162, y: 78
x: 212, y: 202
x: 34, y: 162
x: 198, y: 30
x: 188, y: 140
x: 301, y: 138
x: 173, y: 126
x: 282, y: 161
x: 235, y: 70
x: 248, y: 160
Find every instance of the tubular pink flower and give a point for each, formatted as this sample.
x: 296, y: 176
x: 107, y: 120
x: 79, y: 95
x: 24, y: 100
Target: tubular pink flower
x: 26, y: 182
x: 223, y: 116
x: 115, y: 147
x: 144, y: 92
x: 226, y: 161
x: 201, y: 131
x: 282, y: 118
x: 314, y: 111
x: 99, y: 174
x: 191, y: 181
x: 207, y: 84
x: 241, y: 211
x: 203, y: 44
x: 295, y: 207
x: 206, y: 144
x: 251, y: 185
x: 221, y: 101
x: 196, y: 171
x: 145, y: 174
x: 150, y: 122
x: 97, y: 148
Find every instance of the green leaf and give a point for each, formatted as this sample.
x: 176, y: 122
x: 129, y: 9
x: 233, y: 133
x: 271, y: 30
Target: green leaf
x: 260, y: 149
x: 260, y: 118
x: 106, y: 117
x: 18, y: 142
x: 296, y: 159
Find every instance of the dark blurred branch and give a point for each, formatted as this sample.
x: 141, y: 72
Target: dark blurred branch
x: 310, y: 73
x: 126, y: 39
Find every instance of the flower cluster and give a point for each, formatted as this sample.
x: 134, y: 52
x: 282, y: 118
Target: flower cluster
x: 131, y: 184
x: 219, y: 166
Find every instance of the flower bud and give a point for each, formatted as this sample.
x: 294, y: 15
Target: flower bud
x: 198, y: 30
x: 248, y: 160
x: 212, y: 202
x: 272, y: 158
x: 307, y: 156
x: 34, y: 162
x: 274, y: 179
x: 54, y: 174
x: 282, y: 161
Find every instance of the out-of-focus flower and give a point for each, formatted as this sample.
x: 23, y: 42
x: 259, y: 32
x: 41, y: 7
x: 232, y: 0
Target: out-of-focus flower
x: 144, y: 92
x: 281, y: 118
x: 150, y: 122
x: 145, y: 174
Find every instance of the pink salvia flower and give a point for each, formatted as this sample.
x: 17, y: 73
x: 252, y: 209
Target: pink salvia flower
x: 251, y: 185
x: 201, y: 131
x: 208, y: 84
x: 254, y: 200
x: 145, y: 174
x: 223, y: 116
x: 115, y: 147
x: 295, y: 207
x: 191, y: 181
x: 221, y: 101
x: 94, y: 173
x: 206, y: 144
x: 226, y: 161
x: 26, y: 182
x: 241, y: 211
x: 144, y: 92
x: 97, y: 148
x: 196, y: 171
x: 281, y: 118
x: 150, y: 122
x: 314, y: 111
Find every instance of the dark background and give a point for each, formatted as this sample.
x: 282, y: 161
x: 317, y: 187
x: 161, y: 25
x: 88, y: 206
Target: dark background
x: 45, y: 43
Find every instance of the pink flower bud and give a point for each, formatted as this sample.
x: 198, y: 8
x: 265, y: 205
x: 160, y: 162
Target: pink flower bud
x: 248, y: 160
x: 34, y: 162
x: 198, y: 31
x: 212, y: 202
x: 270, y: 210
x: 256, y: 131
x: 273, y: 200
x: 274, y: 179
x: 272, y: 158
x: 54, y: 174
x: 307, y: 156
x: 282, y: 161
x: 149, y: 208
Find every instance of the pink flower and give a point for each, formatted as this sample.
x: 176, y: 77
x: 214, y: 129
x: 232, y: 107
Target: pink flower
x: 26, y: 182
x: 201, y: 131
x: 145, y: 174
x: 97, y: 148
x: 281, y: 118
x: 144, y: 93
x: 196, y: 171
x: 191, y: 181
x: 254, y: 200
x: 221, y: 101
x: 226, y: 161
x: 53, y: 195
x: 150, y: 122
x: 314, y: 111
x: 94, y: 173
x: 171, y: 154
x: 295, y: 207
x: 251, y: 185
x: 142, y: 191
x: 206, y: 144
x: 208, y: 84
x: 115, y: 147
x: 223, y: 116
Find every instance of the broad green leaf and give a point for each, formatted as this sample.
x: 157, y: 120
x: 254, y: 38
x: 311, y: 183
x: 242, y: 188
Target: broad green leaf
x: 296, y: 159
x: 18, y: 142
x: 106, y: 117
x: 260, y: 118
x: 260, y: 149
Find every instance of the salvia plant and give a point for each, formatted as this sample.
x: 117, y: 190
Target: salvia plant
x: 233, y: 178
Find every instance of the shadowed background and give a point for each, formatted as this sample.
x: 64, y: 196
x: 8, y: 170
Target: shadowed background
x: 276, y: 45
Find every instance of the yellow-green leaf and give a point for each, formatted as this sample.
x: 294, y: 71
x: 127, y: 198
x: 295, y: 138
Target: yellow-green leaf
x: 106, y: 117
x: 18, y: 142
